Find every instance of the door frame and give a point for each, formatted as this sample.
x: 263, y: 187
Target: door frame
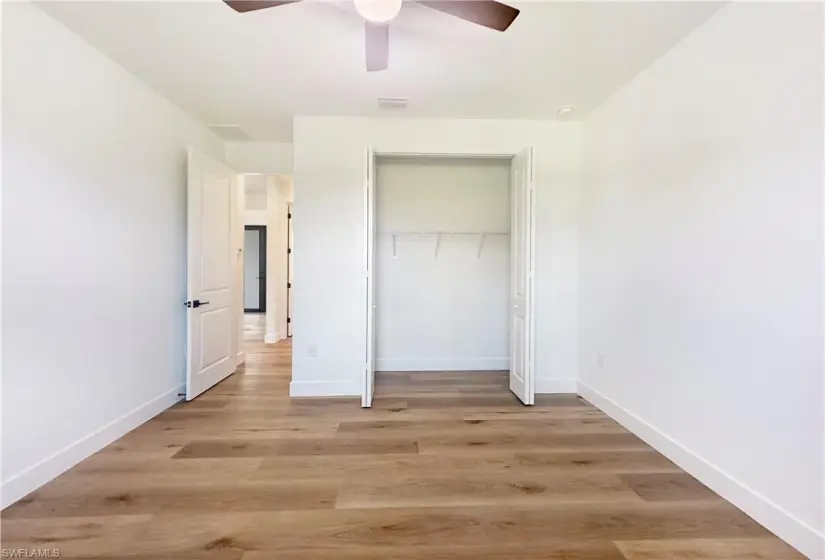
x: 368, y: 369
x: 289, y: 267
x: 370, y: 182
x: 261, y: 269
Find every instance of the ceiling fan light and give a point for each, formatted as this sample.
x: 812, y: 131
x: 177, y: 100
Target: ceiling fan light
x: 378, y: 11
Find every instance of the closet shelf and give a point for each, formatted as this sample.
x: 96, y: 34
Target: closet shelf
x: 423, y: 233
x: 482, y: 235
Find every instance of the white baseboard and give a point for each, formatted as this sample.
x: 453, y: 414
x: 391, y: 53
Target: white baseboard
x: 241, y: 358
x: 40, y: 473
x: 791, y: 529
x: 442, y: 364
x: 324, y: 389
x: 556, y: 385
x: 272, y: 338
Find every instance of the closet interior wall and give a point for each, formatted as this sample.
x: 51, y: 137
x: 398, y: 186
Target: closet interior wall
x: 442, y: 264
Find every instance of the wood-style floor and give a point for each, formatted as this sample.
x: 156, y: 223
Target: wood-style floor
x: 444, y: 467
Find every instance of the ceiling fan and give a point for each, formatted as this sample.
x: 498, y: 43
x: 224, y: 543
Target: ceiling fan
x: 379, y: 13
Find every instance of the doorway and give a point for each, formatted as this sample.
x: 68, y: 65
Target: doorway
x: 236, y: 267
x: 449, y: 261
x: 254, y: 269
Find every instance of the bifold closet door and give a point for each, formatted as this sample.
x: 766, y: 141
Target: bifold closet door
x: 368, y: 378
x: 522, y: 375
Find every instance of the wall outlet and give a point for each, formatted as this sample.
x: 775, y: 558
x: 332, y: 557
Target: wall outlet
x: 312, y: 351
x: 600, y: 360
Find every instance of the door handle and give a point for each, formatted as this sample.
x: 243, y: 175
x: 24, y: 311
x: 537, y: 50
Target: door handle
x: 196, y: 303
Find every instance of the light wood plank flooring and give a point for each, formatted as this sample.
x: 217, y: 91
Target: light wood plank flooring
x: 444, y: 467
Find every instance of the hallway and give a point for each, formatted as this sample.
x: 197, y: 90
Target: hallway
x: 254, y: 329
x: 445, y: 466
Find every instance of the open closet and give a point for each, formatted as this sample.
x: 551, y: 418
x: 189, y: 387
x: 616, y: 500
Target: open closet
x: 449, y: 266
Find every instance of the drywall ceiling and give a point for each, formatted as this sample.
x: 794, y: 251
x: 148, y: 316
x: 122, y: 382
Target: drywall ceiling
x: 259, y: 69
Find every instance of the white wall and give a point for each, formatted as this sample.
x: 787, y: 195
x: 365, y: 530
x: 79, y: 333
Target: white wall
x: 255, y: 189
x: 255, y: 204
x: 94, y: 186
x: 450, y: 311
x: 702, y: 261
x: 329, y: 158
x: 259, y: 157
x: 255, y: 200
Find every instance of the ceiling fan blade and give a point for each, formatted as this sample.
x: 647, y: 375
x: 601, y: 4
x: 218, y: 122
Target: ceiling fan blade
x: 252, y: 5
x: 488, y: 13
x: 377, y: 46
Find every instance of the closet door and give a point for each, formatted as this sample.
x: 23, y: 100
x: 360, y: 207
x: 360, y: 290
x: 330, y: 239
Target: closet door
x: 522, y: 375
x: 368, y: 382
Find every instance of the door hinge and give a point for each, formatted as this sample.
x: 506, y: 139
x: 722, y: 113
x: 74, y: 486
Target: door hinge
x: 289, y: 319
x: 289, y: 250
x: 289, y: 215
x: 289, y: 284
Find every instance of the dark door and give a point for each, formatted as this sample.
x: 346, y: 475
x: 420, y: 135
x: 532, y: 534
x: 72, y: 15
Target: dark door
x: 254, y: 269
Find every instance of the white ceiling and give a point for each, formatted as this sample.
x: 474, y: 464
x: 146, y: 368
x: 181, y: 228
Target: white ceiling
x: 258, y: 69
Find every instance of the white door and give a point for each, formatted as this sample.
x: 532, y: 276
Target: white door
x: 210, y: 330
x: 522, y: 375
x: 368, y: 386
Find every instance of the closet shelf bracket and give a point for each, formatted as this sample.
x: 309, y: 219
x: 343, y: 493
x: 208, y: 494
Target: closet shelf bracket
x: 481, y: 239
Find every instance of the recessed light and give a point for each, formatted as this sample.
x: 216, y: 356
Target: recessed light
x: 565, y: 111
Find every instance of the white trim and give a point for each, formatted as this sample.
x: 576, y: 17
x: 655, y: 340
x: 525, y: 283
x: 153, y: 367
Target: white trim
x: 793, y: 530
x: 241, y: 358
x: 49, y: 468
x: 556, y: 385
x: 324, y: 389
x: 442, y: 364
x: 272, y: 338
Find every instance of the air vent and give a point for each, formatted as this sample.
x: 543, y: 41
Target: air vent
x: 392, y: 102
x: 229, y: 131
